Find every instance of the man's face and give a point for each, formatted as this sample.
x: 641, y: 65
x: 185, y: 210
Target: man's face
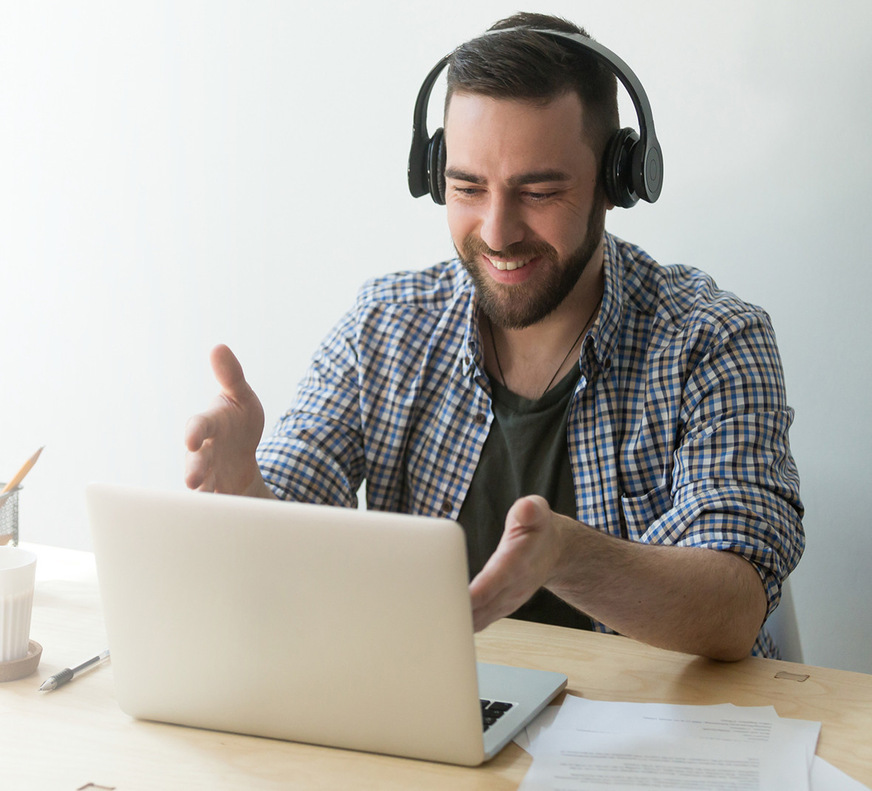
x: 524, y: 210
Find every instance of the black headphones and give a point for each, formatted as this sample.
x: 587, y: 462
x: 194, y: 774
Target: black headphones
x: 632, y: 164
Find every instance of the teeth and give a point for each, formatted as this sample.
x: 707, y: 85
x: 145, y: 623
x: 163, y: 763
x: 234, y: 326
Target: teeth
x: 508, y: 266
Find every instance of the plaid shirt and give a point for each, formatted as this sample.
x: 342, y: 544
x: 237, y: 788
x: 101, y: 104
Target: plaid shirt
x: 677, y: 433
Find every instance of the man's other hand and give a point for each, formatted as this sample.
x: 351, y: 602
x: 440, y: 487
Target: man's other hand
x: 222, y: 441
x: 522, y: 563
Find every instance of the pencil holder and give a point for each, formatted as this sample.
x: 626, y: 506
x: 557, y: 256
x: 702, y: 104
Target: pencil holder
x: 9, y: 517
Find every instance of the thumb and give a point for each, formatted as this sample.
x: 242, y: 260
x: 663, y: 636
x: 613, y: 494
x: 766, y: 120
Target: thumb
x: 228, y: 372
x: 528, y: 513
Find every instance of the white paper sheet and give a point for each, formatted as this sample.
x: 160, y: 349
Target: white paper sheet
x: 595, y: 744
x: 641, y: 761
x: 825, y: 777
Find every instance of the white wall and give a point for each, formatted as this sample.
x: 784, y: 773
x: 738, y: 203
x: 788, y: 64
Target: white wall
x: 175, y: 174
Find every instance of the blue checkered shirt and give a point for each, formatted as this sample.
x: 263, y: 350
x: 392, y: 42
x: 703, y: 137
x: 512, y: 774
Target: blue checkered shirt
x: 678, y: 431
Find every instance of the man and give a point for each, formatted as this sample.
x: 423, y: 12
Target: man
x: 611, y: 434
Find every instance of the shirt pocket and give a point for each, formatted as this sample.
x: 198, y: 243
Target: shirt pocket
x: 641, y: 511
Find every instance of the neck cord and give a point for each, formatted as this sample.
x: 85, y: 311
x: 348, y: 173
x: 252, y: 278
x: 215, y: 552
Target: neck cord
x: 562, y: 362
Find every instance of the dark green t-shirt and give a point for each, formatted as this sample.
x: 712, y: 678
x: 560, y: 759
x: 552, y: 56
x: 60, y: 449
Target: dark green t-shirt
x: 525, y: 453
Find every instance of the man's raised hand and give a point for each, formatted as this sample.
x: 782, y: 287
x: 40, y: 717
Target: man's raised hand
x: 222, y: 441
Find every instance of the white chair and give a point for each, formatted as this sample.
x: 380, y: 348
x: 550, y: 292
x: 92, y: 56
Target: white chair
x: 783, y: 627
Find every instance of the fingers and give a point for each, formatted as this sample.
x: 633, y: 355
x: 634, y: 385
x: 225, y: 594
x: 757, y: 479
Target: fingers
x: 519, y: 566
x: 197, y: 430
x: 497, y: 590
x: 197, y: 471
x: 496, y: 593
x: 487, y: 594
x: 198, y: 460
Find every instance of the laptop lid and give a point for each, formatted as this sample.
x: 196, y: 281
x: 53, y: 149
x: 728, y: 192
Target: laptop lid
x: 301, y: 622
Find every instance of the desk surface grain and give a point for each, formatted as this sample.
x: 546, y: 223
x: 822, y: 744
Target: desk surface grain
x: 77, y: 735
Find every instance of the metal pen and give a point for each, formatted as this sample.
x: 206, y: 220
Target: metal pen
x: 59, y: 679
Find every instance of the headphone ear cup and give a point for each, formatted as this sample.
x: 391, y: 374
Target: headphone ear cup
x: 436, y: 166
x: 618, y: 171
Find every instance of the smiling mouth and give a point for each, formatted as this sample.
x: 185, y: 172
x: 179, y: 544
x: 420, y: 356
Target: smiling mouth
x: 508, y: 266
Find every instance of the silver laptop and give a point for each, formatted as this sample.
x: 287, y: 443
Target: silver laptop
x: 308, y: 623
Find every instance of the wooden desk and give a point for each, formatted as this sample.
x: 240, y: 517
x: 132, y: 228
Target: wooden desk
x: 77, y: 735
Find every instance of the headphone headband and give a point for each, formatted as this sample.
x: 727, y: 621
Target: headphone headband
x: 633, y: 165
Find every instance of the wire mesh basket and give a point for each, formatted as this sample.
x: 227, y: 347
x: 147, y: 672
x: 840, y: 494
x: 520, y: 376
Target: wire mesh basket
x: 9, y: 517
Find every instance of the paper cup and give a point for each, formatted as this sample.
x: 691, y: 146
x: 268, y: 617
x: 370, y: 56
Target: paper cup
x: 17, y: 576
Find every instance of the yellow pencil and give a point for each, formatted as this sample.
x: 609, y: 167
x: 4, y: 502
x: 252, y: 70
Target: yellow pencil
x: 19, y: 476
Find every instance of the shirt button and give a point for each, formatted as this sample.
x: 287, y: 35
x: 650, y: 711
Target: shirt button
x: 480, y: 418
x: 446, y: 506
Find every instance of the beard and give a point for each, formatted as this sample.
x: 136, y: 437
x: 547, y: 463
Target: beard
x: 517, y: 307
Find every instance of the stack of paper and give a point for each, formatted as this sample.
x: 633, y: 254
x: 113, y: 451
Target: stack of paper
x: 587, y: 744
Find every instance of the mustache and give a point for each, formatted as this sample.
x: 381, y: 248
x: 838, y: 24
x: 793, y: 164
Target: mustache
x: 474, y: 246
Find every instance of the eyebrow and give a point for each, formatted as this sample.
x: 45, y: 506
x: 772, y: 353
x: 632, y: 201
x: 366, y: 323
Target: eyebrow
x: 534, y: 177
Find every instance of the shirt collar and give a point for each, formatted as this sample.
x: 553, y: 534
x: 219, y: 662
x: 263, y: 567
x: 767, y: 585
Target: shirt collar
x: 472, y: 362
x: 600, y: 342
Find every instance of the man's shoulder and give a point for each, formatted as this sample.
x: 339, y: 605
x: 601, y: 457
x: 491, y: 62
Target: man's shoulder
x: 434, y: 288
x: 403, y: 318
x: 677, y: 294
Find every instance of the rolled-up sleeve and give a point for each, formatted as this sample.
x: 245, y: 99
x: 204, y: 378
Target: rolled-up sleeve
x: 734, y: 484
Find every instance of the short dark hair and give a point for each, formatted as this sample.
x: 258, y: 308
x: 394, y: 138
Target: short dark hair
x: 530, y: 67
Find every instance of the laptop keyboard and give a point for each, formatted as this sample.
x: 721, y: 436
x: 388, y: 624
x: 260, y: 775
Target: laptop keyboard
x: 492, y: 710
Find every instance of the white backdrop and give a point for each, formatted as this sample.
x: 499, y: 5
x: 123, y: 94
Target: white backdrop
x: 178, y: 174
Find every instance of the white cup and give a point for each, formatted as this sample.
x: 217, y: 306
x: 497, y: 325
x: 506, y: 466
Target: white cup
x: 17, y: 576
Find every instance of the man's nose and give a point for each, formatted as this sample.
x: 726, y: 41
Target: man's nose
x: 501, y: 224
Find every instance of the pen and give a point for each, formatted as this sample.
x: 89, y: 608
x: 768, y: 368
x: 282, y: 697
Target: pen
x: 59, y: 679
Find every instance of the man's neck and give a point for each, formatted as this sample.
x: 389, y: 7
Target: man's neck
x: 529, y: 361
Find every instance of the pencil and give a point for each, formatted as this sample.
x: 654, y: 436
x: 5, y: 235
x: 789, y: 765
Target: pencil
x: 19, y: 476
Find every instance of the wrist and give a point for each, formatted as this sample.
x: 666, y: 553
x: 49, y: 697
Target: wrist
x: 565, y: 543
x: 258, y: 487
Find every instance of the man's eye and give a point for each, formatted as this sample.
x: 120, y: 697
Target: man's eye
x: 539, y: 196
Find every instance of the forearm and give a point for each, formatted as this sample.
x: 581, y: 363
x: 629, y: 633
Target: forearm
x: 689, y: 599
